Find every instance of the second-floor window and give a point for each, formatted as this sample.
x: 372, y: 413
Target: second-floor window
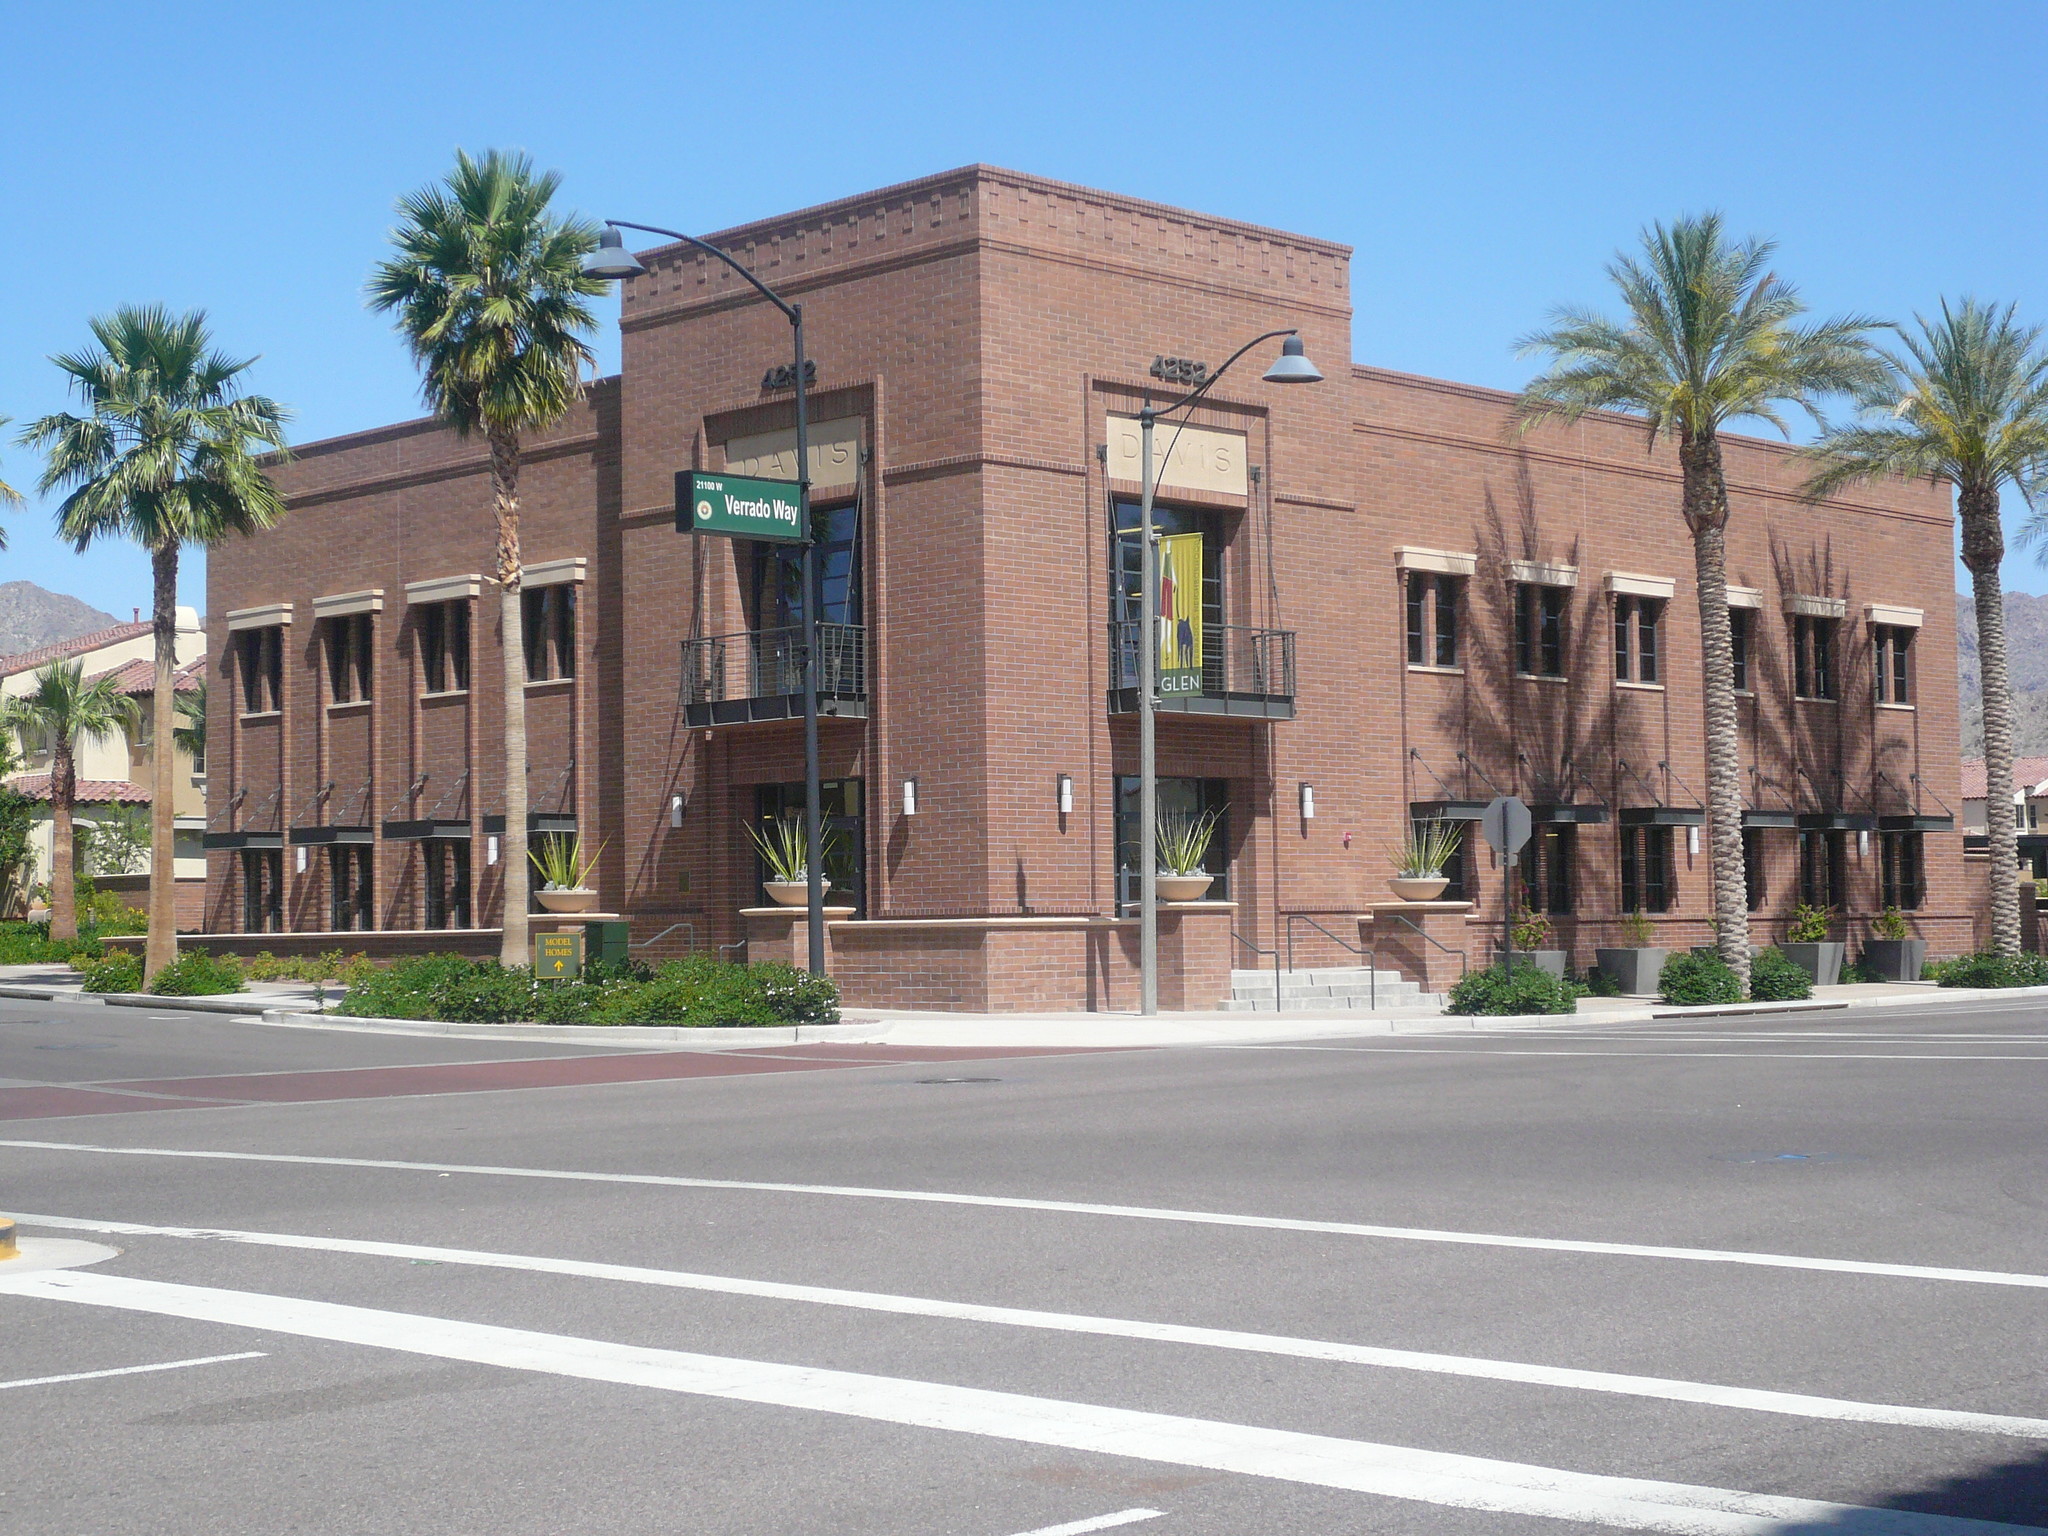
x: 1539, y: 629
x: 1433, y: 619
x: 259, y: 662
x: 1637, y: 621
x: 1894, y: 647
x: 444, y: 646
x: 1813, y: 657
x: 348, y: 658
x: 1738, y: 645
x: 550, y: 624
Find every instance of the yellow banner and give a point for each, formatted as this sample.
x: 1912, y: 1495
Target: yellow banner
x: 1180, y: 613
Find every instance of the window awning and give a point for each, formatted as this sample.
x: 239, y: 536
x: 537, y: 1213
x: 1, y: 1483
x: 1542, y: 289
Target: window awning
x: 1916, y: 823
x: 1561, y: 813
x: 327, y: 836
x: 562, y: 822
x: 244, y: 840
x: 1662, y: 816
x: 1447, y: 810
x: 1755, y: 819
x: 429, y: 830
x: 1837, y: 821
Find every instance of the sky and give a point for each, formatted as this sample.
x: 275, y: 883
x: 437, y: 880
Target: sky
x: 1484, y: 160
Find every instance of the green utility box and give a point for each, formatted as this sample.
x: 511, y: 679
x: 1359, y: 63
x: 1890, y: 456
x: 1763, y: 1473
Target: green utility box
x: 609, y: 942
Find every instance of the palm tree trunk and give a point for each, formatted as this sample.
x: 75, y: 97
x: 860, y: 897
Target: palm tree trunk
x: 161, y: 947
x: 1983, y: 553
x: 63, y: 877
x: 1706, y: 514
x: 512, y: 628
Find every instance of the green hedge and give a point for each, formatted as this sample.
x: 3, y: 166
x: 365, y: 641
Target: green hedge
x: 1694, y: 980
x: 697, y: 992
x: 31, y: 944
x: 1990, y: 970
x: 1775, y: 979
x: 198, y: 973
x: 115, y: 972
x: 1516, y: 989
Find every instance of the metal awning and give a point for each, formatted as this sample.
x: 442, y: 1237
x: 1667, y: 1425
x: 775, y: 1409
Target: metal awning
x: 429, y: 830
x: 1916, y: 823
x: 1447, y: 810
x: 562, y: 822
x: 1662, y: 816
x: 1564, y: 814
x: 244, y: 840
x: 318, y: 837
x: 1837, y: 821
x: 1754, y: 819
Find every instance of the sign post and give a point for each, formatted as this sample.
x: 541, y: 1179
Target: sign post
x: 741, y: 507
x: 1506, y: 826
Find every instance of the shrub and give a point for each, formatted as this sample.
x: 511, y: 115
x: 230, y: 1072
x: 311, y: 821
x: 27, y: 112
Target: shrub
x: 118, y: 972
x: 332, y: 965
x: 198, y: 973
x: 1775, y: 979
x: 1809, y: 925
x: 1990, y: 970
x: 1600, y: 984
x: 1694, y: 979
x: 1501, y: 989
x: 31, y: 944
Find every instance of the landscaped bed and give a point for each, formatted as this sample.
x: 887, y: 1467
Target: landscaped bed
x: 697, y: 992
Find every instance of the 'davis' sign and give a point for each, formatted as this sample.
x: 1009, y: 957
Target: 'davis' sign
x: 739, y: 507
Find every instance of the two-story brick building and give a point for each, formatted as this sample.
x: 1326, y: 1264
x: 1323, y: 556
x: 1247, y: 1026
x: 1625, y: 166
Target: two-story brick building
x: 1404, y: 611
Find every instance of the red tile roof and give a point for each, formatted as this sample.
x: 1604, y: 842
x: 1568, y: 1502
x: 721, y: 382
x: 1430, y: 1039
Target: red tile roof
x: 139, y: 676
x: 57, y: 650
x: 90, y: 791
x: 2026, y: 773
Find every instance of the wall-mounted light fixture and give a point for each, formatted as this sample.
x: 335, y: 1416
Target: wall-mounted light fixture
x: 302, y: 858
x: 910, y: 797
x: 1863, y: 845
x: 1308, y: 802
x: 1066, y: 794
x: 675, y: 810
x: 490, y: 850
x: 1692, y: 841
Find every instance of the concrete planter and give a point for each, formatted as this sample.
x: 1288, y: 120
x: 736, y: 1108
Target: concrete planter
x: 1823, y: 962
x: 1895, y: 959
x: 566, y: 898
x: 1418, y: 887
x: 791, y: 893
x: 1182, y: 887
x: 1548, y: 961
x: 1635, y: 972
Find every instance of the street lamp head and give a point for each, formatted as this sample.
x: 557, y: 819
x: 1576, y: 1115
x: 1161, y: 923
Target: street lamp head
x: 611, y: 260
x: 1292, y: 365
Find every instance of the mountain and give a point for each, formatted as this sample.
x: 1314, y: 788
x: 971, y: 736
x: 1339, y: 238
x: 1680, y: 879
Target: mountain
x: 2026, y: 648
x: 31, y: 616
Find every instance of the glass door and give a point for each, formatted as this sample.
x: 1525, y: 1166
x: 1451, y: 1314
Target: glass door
x: 842, y: 812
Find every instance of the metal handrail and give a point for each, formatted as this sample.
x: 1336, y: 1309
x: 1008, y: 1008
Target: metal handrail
x: 1274, y: 952
x: 769, y: 664
x: 1464, y: 961
x: 671, y: 928
x: 1236, y: 659
x: 1364, y: 951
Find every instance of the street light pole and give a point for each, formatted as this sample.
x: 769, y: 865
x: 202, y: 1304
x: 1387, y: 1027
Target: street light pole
x: 1291, y: 367
x: 612, y: 260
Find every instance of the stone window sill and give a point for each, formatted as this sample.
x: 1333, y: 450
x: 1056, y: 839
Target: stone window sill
x: 544, y: 683
x: 1540, y: 677
x: 1635, y: 687
x: 1416, y: 666
x: 1887, y: 704
x: 1806, y: 698
x: 445, y: 693
x: 348, y: 707
x: 260, y: 715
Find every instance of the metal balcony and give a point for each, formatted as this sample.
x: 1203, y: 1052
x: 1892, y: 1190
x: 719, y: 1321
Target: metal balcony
x: 759, y: 675
x: 1248, y: 673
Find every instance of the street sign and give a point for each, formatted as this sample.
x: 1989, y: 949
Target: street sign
x: 558, y: 956
x: 740, y: 507
x: 1506, y: 824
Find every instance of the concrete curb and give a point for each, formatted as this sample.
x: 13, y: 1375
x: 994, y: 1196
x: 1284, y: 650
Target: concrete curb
x: 664, y: 1035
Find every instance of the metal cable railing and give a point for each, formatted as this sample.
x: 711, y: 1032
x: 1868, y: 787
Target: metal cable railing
x: 1237, y: 660
x: 769, y: 663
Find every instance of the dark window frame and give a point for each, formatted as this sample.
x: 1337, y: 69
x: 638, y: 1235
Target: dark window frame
x: 348, y: 642
x: 1202, y: 795
x: 1648, y: 882
x: 1546, y: 867
x: 1754, y: 869
x: 842, y: 810
x: 1637, y: 625
x: 1823, y: 868
x: 262, y: 890
x: 259, y: 662
x: 350, y: 888
x: 1892, y: 662
x: 1902, y: 870
x: 1433, y: 599
x: 444, y: 646
x: 1541, y: 622
x: 1741, y: 640
x: 1813, y: 657
x: 447, y: 886
x: 548, y: 616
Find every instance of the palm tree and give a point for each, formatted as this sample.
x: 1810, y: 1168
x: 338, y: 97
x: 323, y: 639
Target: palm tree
x: 1708, y: 339
x: 9, y: 496
x: 489, y: 292
x: 166, y: 455
x: 1966, y: 401
x: 62, y: 712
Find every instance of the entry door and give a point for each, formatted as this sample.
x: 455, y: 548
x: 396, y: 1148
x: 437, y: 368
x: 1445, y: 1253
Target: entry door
x: 842, y: 811
x: 1177, y: 797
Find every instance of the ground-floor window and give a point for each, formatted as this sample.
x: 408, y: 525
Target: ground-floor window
x: 1177, y: 797
x: 843, y: 824
x: 1646, y: 884
x: 1823, y: 868
x: 447, y: 861
x: 1546, y: 868
x: 1902, y: 881
x: 1753, y: 867
x: 348, y: 887
x: 263, y: 890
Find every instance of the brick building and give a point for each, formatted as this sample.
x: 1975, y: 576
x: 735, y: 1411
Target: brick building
x: 1404, y: 611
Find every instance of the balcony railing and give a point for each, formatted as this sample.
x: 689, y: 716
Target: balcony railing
x: 1246, y: 672
x: 759, y: 675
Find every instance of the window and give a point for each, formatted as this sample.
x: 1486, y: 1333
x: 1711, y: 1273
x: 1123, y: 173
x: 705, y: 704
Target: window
x: 444, y: 646
x: 348, y: 887
x: 1455, y: 866
x: 348, y: 658
x: 778, y: 573
x: 1546, y: 868
x: 1126, y: 575
x: 1433, y: 619
x: 1739, y: 620
x: 1539, y: 629
x: 1753, y: 867
x: 1901, y: 881
x: 843, y: 825
x: 262, y: 886
x: 1823, y: 868
x: 1636, y: 622
x: 1646, y: 869
x: 1894, y: 647
x: 447, y: 881
x: 1813, y: 657
x: 259, y: 659
x: 549, y: 615
x: 1177, y: 797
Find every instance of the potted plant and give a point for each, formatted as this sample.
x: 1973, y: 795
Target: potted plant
x: 1807, y: 944
x: 1637, y: 965
x: 565, y: 874
x: 1530, y: 931
x: 1420, y: 860
x: 1894, y: 953
x: 1183, y: 850
x: 782, y: 849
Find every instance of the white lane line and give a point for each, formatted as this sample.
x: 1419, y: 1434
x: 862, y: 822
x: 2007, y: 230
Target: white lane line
x: 1754, y: 1399
x: 1454, y: 1050
x: 1127, y: 1212
x: 1391, y: 1471
x: 1099, y: 1523
x: 131, y: 1370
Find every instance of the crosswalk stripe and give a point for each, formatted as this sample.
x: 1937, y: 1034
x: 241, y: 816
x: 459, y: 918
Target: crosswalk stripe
x: 1401, y: 1472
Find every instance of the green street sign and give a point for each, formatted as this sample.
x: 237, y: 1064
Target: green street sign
x: 558, y: 956
x: 738, y: 507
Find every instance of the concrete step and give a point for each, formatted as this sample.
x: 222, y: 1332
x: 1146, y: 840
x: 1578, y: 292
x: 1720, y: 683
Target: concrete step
x: 1341, y: 989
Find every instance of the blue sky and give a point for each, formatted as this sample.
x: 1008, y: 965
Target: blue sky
x: 1484, y: 159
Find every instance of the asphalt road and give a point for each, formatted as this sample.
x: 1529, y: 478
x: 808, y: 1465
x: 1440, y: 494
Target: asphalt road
x: 1783, y: 1273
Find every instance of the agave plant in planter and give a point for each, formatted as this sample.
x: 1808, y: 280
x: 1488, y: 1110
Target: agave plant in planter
x: 1808, y: 946
x: 781, y: 844
x: 565, y: 873
x: 1183, y: 847
x: 1636, y: 965
x: 1422, y: 858
x: 1892, y: 951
